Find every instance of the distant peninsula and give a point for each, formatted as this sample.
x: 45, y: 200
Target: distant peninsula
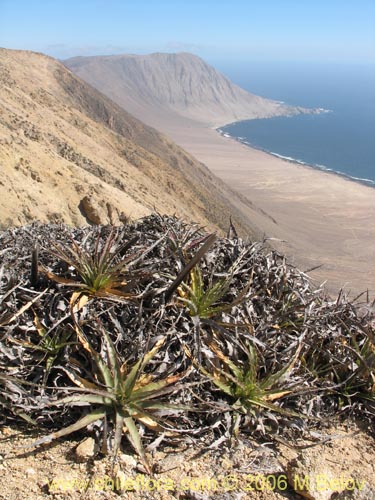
x: 175, y: 85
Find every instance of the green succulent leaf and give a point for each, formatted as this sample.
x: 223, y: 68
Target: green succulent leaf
x: 83, y: 422
x: 98, y: 273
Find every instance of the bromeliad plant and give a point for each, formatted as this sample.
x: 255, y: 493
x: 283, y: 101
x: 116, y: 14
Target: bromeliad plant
x: 357, y: 377
x: 98, y: 272
x: 243, y: 383
x: 121, y: 394
x: 204, y: 302
x: 245, y: 375
x: 50, y: 344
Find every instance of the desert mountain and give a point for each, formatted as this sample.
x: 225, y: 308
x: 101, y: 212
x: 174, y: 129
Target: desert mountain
x: 162, y: 86
x: 68, y: 153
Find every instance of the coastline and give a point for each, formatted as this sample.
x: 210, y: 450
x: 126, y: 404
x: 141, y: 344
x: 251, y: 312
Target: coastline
x: 323, y: 168
x: 317, y: 218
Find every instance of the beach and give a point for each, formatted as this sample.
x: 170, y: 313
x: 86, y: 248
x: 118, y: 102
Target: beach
x: 316, y: 218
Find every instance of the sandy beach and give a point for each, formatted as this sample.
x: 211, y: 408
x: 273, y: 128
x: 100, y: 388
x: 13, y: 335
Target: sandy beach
x: 322, y: 219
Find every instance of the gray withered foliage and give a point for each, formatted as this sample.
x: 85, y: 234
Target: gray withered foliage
x: 159, y: 329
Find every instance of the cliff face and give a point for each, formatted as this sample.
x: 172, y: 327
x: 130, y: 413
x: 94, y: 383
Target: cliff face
x: 181, y: 85
x: 68, y: 153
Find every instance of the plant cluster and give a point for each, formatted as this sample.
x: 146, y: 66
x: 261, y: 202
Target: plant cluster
x: 157, y: 329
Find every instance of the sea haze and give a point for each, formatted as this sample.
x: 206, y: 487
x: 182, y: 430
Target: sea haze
x: 342, y: 140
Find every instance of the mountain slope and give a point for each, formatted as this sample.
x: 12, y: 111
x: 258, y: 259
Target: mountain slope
x: 175, y: 84
x: 68, y: 153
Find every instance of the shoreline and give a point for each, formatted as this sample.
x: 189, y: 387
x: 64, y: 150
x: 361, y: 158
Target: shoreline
x: 366, y: 182
x: 313, y: 217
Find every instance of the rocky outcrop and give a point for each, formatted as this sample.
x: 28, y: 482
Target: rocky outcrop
x: 90, y: 210
x: 101, y: 212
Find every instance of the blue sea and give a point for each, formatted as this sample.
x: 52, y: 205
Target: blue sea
x: 341, y: 140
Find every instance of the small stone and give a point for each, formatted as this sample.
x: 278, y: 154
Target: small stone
x: 142, y: 469
x: 362, y: 492
x: 314, y: 479
x: 159, y: 455
x: 122, y: 481
x: 227, y: 464
x: 61, y: 306
x: 85, y: 450
x: 128, y: 460
x: 30, y: 471
x: 173, y: 460
x: 6, y: 431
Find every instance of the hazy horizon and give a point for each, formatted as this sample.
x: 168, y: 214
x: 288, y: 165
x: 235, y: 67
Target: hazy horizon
x: 221, y: 33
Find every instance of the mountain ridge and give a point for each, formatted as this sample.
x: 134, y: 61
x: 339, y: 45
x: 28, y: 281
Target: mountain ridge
x: 176, y: 85
x: 70, y: 154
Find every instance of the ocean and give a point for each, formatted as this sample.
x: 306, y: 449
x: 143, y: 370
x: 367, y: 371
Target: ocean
x: 341, y: 140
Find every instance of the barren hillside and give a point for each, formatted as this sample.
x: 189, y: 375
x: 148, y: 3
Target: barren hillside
x: 70, y: 154
x: 178, y: 85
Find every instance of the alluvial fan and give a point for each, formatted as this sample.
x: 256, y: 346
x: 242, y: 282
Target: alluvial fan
x: 157, y: 330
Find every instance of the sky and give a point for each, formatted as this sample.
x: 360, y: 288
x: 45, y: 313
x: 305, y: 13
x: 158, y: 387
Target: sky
x: 217, y: 30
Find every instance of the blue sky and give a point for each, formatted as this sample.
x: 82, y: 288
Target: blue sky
x: 217, y: 30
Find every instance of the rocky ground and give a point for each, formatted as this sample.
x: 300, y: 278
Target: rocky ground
x: 340, y: 467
